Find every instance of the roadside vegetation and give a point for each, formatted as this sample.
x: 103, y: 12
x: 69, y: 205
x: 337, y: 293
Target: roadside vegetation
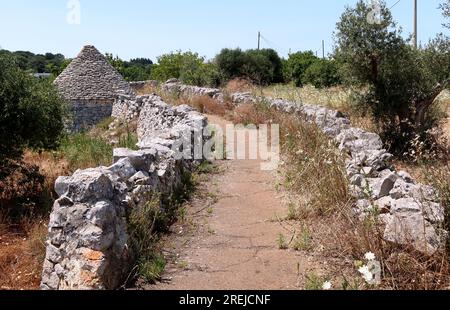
x: 34, y: 151
x: 399, y: 95
x: 375, y: 76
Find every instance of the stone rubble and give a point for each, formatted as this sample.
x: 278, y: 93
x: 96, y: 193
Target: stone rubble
x: 88, y: 245
x: 174, y: 87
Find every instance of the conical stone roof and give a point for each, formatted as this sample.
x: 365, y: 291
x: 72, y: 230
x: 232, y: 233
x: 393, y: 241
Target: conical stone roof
x: 90, y: 77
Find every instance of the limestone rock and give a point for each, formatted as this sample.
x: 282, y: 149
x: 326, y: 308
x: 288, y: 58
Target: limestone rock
x: 408, y: 228
x: 381, y: 187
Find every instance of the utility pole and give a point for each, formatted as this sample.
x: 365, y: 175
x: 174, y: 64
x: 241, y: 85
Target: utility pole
x: 415, y: 24
x: 259, y: 40
x: 323, y: 49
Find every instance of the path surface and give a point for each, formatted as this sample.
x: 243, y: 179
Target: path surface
x: 232, y: 244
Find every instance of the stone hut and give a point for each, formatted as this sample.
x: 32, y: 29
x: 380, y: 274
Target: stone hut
x: 91, y: 85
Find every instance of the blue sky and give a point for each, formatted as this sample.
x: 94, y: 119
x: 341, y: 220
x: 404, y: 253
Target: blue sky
x: 139, y: 28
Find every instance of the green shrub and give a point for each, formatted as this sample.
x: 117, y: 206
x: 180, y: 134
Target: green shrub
x: 152, y: 269
x: 260, y: 66
x: 31, y: 114
x: 188, y: 67
x: 322, y: 73
x: 296, y: 65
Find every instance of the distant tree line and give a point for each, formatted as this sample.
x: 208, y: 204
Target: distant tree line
x: 37, y: 63
x: 138, y: 69
x: 261, y: 67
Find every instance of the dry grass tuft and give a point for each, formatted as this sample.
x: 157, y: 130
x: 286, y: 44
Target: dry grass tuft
x: 22, y: 252
x: 207, y: 105
x: 239, y: 85
x: 338, y: 98
x: 147, y: 89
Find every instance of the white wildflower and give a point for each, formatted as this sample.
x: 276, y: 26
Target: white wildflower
x: 370, y: 256
x: 365, y: 272
x: 363, y: 269
x: 368, y: 277
x: 327, y: 285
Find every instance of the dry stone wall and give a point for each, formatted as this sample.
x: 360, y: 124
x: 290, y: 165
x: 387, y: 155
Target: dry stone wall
x: 174, y: 87
x: 88, y: 245
x: 410, y: 211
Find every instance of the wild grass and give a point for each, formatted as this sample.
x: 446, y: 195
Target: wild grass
x: 282, y: 242
x: 129, y: 141
x: 313, y: 175
x: 83, y: 151
x: 148, y: 221
x: 143, y: 223
x: 337, y: 98
x: 22, y: 255
x: 207, y: 105
x: 314, y: 282
x: 304, y: 240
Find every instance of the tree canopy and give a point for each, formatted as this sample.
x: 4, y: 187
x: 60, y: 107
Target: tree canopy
x: 402, y: 81
x: 31, y: 113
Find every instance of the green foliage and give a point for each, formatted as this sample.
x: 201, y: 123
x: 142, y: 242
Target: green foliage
x: 303, y: 241
x: 32, y: 63
x: 314, y: 282
x: 402, y: 82
x: 148, y: 220
x: 188, y: 67
x: 143, y: 222
x: 83, y: 151
x: 31, y: 113
x: 281, y: 242
x: 322, y: 73
x: 260, y: 66
x: 138, y: 69
x: 296, y: 65
x: 129, y: 141
x: 152, y: 269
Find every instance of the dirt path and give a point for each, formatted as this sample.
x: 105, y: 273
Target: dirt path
x: 229, y: 241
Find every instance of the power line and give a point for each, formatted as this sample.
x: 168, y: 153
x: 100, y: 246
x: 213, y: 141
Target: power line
x: 395, y: 4
x: 273, y: 44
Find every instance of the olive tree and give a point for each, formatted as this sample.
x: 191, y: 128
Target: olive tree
x: 445, y: 7
x: 402, y: 83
